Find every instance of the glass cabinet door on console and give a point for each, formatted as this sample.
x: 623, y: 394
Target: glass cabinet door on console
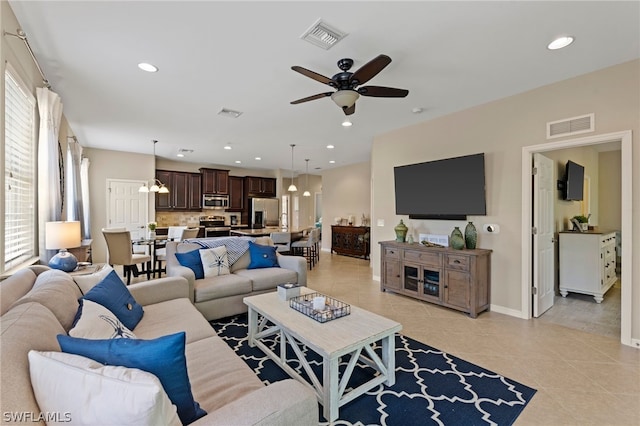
x: 421, y: 280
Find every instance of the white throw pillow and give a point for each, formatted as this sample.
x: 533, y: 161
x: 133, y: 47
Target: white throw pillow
x: 71, y: 389
x: 98, y: 322
x: 215, y: 261
x: 88, y: 281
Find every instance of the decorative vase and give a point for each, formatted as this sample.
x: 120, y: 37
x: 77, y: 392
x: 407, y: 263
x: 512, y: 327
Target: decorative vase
x: 457, y: 240
x: 401, y: 231
x: 470, y: 235
x: 152, y: 235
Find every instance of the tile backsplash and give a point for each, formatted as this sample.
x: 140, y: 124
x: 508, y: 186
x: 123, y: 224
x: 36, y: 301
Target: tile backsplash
x: 165, y: 219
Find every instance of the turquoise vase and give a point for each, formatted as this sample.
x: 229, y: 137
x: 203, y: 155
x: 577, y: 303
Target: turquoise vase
x: 401, y: 231
x: 457, y: 239
x: 471, y: 236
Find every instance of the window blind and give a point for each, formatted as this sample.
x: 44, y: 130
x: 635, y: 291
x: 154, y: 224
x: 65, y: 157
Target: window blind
x: 19, y: 179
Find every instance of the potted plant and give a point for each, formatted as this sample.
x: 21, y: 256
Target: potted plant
x: 583, y: 221
x: 152, y: 229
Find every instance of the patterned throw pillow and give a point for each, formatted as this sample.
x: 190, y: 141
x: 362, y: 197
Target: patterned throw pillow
x: 94, y: 321
x: 262, y: 256
x: 215, y: 261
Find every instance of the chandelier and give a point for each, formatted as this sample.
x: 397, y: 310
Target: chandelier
x: 156, y: 185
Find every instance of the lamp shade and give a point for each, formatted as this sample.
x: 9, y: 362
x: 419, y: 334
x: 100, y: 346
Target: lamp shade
x: 62, y: 235
x: 345, y: 98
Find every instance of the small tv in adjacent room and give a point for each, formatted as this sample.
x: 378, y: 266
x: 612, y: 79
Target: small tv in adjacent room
x: 449, y: 189
x: 573, y: 182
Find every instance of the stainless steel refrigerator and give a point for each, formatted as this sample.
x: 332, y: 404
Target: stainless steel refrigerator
x: 264, y: 212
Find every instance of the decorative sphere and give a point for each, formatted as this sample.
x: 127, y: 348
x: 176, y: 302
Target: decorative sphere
x: 64, y: 261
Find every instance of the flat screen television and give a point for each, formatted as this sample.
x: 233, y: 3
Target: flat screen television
x: 573, y: 182
x: 443, y: 189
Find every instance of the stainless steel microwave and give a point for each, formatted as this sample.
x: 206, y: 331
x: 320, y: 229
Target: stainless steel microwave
x: 214, y: 201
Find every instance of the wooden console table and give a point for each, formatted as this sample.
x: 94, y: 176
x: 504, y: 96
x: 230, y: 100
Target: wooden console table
x: 350, y: 240
x: 458, y: 279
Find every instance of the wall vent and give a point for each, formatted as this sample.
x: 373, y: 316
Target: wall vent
x: 323, y: 35
x: 571, y: 126
x: 226, y: 112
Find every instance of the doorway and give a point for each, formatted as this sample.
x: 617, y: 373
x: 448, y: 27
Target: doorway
x: 127, y: 207
x: 625, y: 139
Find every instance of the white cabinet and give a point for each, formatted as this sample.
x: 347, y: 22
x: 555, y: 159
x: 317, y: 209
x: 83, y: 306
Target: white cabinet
x: 587, y: 263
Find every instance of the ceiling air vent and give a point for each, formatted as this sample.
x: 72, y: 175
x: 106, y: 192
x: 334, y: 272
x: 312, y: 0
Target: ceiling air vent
x: 571, y: 126
x: 323, y: 35
x: 226, y: 112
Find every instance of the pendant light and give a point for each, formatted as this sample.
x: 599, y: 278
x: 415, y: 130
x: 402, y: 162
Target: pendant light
x: 292, y: 187
x: 156, y: 185
x: 306, y: 192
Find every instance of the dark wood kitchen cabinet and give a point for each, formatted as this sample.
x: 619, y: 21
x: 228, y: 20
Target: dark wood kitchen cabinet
x: 184, y: 191
x: 236, y: 194
x: 260, y: 186
x: 215, y: 181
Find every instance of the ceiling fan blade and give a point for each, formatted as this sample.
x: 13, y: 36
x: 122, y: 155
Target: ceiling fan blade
x: 382, y: 92
x: 314, y: 75
x: 350, y: 110
x: 370, y: 69
x: 311, y: 98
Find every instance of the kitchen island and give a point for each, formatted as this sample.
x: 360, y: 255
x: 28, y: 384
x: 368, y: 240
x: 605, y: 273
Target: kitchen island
x: 296, y: 234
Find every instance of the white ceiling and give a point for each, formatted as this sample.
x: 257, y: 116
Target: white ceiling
x: 238, y: 55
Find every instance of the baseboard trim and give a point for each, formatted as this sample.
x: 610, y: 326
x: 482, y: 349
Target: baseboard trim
x: 507, y: 311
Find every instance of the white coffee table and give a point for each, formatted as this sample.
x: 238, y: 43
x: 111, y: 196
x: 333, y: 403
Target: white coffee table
x: 353, y: 334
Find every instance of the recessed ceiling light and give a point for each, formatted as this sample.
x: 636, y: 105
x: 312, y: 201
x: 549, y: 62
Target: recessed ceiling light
x: 416, y: 110
x: 347, y: 123
x: 227, y: 147
x: 258, y: 158
x: 560, y: 42
x: 332, y: 161
x: 180, y: 155
x: 238, y: 161
x: 147, y: 67
x: 330, y: 147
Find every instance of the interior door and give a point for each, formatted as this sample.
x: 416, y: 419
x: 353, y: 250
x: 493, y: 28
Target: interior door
x: 543, y: 238
x: 127, y: 207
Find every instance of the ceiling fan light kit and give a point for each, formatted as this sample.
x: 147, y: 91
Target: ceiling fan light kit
x: 346, y: 83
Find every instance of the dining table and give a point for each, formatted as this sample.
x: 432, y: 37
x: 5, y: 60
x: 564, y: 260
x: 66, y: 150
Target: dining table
x: 154, y: 243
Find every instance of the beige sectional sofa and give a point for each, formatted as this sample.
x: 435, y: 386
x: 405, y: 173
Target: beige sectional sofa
x: 37, y: 304
x: 222, y: 296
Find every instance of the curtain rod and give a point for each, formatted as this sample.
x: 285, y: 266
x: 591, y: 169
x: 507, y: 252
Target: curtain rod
x: 22, y: 36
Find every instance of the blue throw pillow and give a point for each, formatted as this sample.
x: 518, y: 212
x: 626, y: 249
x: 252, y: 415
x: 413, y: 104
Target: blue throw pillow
x: 163, y: 357
x: 114, y: 295
x: 191, y: 260
x: 262, y: 256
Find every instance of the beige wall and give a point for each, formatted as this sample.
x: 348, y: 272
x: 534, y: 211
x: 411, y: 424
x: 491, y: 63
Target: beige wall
x: 306, y: 214
x: 500, y: 129
x: 609, y: 185
x: 345, y: 191
x: 565, y: 210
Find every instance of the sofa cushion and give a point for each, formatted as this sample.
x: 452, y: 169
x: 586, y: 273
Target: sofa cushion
x: 215, y: 261
x: 193, y: 261
x: 221, y: 286
x: 164, y: 357
x: 171, y: 317
x: 244, y: 260
x: 268, y: 278
x: 262, y: 256
x: 14, y: 287
x: 94, y: 321
x: 25, y: 327
x: 88, y: 281
x: 218, y: 376
x: 112, y: 293
x: 56, y: 291
x: 109, y: 394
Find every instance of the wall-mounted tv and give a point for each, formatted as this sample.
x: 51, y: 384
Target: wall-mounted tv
x: 573, y: 182
x: 451, y: 188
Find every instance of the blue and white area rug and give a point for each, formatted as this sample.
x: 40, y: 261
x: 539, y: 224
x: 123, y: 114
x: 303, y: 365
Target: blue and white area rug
x: 432, y: 387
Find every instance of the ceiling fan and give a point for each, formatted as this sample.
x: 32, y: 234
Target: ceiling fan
x: 347, y: 83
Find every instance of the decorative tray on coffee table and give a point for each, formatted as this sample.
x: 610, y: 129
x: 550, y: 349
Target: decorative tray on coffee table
x: 333, y: 308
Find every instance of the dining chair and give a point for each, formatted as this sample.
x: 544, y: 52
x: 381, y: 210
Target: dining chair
x: 282, y: 241
x: 120, y: 252
x: 175, y: 233
x: 308, y: 247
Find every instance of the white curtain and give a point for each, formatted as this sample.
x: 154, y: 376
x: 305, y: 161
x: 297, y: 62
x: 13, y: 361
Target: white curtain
x: 49, y: 188
x: 84, y: 189
x: 73, y: 183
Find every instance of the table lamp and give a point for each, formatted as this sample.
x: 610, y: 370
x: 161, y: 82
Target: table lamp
x: 62, y: 235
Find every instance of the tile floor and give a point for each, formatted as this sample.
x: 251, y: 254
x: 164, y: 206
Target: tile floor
x: 582, y: 378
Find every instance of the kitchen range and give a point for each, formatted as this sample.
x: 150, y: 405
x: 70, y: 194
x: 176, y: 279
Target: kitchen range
x: 214, y: 226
